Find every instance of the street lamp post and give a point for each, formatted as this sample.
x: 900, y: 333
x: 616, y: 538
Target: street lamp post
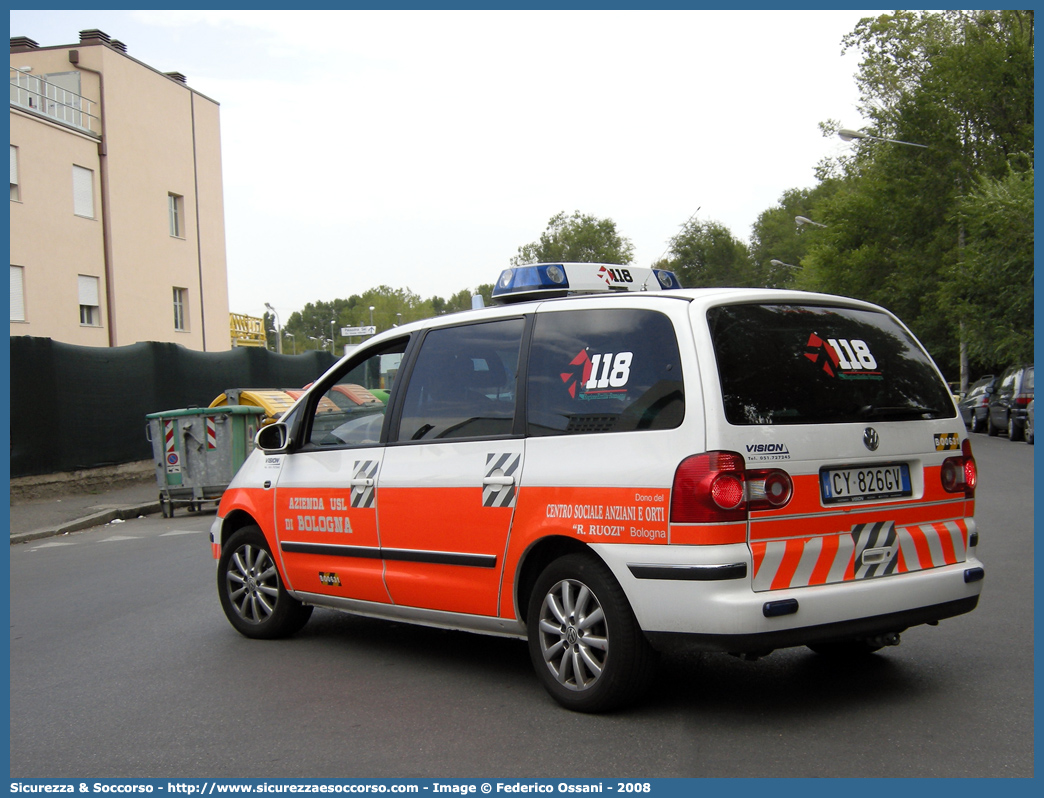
x: 371, y: 315
x: 293, y: 339
x: 847, y: 134
x: 801, y: 221
x: 398, y: 319
x: 278, y: 330
x: 780, y: 264
x: 332, y: 323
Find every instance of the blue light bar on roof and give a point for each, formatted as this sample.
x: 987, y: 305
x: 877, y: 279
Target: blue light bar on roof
x: 558, y: 279
x: 545, y: 278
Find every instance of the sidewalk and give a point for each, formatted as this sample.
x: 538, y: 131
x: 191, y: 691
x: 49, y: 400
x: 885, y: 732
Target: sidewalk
x: 81, y: 506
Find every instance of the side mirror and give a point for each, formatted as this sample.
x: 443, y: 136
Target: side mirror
x: 272, y: 437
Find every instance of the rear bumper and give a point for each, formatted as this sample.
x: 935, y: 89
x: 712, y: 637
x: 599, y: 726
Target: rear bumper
x: 785, y: 638
x: 711, y: 604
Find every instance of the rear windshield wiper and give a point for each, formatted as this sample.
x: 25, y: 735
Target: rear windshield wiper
x: 901, y: 411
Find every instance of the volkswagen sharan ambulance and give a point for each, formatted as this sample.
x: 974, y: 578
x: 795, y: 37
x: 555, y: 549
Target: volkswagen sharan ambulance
x: 608, y: 466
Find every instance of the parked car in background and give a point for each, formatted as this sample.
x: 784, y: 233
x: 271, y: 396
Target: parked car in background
x: 1029, y: 423
x: 975, y: 404
x: 1009, y: 401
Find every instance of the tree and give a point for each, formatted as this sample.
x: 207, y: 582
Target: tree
x: 706, y: 254
x: 992, y: 288
x: 462, y: 299
x: 962, y: 83
x: 777, y: 236
x: 577, y: 239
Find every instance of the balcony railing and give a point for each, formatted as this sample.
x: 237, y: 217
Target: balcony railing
x: 36, y: 94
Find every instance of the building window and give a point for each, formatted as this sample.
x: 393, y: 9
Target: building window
x: 90, y: 309
x: 15, y: 195
x: 181, y: 309
x: 17, y: 293
x: 176, y: 210
x: 83, y: 192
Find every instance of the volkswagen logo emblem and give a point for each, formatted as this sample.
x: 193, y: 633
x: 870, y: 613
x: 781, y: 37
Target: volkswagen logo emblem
x: 870, y: 439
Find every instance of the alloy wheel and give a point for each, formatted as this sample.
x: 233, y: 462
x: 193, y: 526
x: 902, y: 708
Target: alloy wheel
x: 573, y: 635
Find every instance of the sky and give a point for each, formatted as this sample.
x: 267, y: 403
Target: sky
x: 420, y: 149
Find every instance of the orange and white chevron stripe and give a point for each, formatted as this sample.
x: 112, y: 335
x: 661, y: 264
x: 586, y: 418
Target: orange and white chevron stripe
x: 865, y: 552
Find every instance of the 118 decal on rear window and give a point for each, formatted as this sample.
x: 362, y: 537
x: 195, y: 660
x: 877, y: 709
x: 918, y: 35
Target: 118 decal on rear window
x: 854, y: 354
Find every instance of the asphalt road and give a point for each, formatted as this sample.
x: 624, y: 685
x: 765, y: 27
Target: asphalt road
x: 122, y: 665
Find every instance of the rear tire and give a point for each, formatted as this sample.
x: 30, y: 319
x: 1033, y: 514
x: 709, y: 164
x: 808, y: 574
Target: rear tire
x: 991, y: 430
x: 252, y: 594
x: 585, y: 643
x: 1014, y: 430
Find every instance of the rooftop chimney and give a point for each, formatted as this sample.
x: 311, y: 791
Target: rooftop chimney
x: 94, y: 36
x: 176, y: 76
x: 19, y: 44
x: 118, y: 45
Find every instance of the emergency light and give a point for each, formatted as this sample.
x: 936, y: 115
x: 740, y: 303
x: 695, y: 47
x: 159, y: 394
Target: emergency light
x: 543, y: 280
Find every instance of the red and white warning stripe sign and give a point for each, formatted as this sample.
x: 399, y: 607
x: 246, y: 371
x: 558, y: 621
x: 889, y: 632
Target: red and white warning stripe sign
x: 211, y: 434
x: 172, y: 458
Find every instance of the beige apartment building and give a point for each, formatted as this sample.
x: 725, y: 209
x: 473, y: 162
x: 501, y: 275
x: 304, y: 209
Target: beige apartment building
x: 117, y: 214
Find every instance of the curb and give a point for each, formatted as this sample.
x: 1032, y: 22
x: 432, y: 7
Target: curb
x: 44, y: 486
x: 122, y: 513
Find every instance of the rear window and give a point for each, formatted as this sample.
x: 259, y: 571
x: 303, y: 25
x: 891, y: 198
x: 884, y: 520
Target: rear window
x: 806, y: 364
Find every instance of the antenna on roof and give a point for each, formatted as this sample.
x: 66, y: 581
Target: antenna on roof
x: 686, y: 222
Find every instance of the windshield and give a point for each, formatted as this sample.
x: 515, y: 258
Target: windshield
x: 808, y: 364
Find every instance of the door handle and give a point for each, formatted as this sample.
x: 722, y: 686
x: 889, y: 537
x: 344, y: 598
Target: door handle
x: 361, y: 483
x: 876, y: 556
x: 501, y: 481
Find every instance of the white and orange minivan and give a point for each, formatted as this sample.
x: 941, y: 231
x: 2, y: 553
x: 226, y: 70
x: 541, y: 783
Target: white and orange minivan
x: 608, y: 465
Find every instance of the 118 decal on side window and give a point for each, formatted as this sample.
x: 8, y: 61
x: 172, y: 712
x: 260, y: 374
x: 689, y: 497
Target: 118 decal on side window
x: 615, y: 371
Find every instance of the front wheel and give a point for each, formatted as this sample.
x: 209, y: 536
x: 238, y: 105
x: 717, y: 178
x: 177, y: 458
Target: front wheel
x: 252, y: 594
x: 584, y: 640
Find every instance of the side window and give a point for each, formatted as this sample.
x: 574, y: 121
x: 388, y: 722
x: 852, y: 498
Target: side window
x: 464, y: 383
x: 604, y: 371
x: 1007, y: 385
x: 351, y: 411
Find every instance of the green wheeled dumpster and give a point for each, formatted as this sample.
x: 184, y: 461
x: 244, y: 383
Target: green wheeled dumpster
x: 197, y: 451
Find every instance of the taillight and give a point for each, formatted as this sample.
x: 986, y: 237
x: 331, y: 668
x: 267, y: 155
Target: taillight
x: 726, y: 490
x: 1023, y: 400
x: 715, y: 487
x: 959, y: 474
